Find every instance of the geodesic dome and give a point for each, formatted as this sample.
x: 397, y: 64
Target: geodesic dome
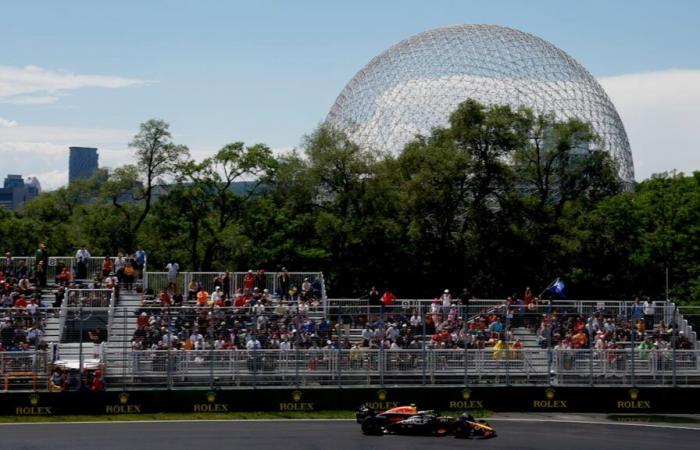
x: 415, y: 85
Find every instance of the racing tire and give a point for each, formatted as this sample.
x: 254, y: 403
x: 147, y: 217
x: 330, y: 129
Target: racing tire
x: 371, y: 427
x: 460, y: 430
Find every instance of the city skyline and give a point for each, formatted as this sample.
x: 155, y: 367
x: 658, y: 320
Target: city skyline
x: 271, y: 73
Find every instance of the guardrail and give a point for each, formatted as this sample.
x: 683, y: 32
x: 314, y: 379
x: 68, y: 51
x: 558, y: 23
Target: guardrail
x: 169, y: 369
x: 93, y: 266
x: 157, y: 281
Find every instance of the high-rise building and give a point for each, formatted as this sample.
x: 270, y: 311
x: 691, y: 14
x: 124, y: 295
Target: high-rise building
x: 16, y: 191
x: 82, y: 163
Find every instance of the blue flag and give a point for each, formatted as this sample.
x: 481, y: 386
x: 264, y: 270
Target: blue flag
x: 557, y: 288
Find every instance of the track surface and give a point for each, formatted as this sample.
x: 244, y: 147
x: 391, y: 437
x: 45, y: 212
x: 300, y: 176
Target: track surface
x: 336, y: 435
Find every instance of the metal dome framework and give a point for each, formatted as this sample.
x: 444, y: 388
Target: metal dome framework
x: 415, y: 85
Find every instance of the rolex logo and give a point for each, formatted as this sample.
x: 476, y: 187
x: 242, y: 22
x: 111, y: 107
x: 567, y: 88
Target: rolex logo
x: 381, y: 394
x: 34, y: 399
x: 634, y: 393
x: 466, y: 394
x: 211, y: 396
x: 123, y: 398
x: 296, y: 395
x: 549, y: 393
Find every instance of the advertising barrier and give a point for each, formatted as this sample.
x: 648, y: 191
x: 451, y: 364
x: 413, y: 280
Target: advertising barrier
x: 524, y: 399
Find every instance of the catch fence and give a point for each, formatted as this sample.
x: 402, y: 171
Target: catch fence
x: 172, y: 369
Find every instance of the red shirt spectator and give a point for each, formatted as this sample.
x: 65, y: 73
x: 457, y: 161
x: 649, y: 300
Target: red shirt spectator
x: 249, y: 281
x: 202, y: 298
x: 165, y: 298
x: 388, y: 298
x: 21, y: 302
x: 142, y: 320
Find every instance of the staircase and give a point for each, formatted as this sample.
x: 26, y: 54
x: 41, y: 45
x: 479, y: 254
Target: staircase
x: 52, y: 322
x: 526, y: 336
x: 121, y: 330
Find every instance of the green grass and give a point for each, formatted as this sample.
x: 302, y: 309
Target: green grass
x: 337, y: 414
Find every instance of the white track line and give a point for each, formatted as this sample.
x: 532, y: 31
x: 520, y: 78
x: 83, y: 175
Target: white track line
x: 592, y: 422
x: 495, y: 419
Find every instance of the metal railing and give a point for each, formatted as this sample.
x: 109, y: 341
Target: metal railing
x: 157, y: 281
x: 420, y: 361
x: 25, y: 264
x: 169, y: 369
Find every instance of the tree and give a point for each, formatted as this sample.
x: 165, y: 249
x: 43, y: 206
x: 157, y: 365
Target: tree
x: 211, y: 190
x: 157, y: 159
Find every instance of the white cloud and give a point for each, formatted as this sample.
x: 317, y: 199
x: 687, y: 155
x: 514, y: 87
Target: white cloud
x: 51, y: 179
x: 42, y: 151
x: 36, y: 85
x: 661, y: 113
x: 6, y: 123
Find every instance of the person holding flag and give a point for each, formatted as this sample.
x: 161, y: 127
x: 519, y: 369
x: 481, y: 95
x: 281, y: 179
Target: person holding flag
x: 555, y: 289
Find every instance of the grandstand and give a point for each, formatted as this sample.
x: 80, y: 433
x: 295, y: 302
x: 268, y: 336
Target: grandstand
x: 256, y: 329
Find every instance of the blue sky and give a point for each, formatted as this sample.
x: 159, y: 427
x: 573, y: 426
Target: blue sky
x: 85, y: 73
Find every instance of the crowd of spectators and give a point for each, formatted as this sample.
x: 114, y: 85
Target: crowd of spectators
x: 604, y: 329
x: 21, y: 322
x: 250, y: 318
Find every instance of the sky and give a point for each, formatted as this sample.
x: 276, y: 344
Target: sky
x: 88, y: 73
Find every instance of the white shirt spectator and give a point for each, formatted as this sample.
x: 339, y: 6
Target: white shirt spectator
x: 111, y: 282
x: 416, y: 320
x: 648, y: 308
x: 446, y: 299
x: 119, y: 263
x: 392, y: 333
x: 303, y: 308
x: 253, y: 344
x: 197, y: 341
x: 367, y: 334
x: 82, y: 255
x: 173, y: 268
x: 258, y: 309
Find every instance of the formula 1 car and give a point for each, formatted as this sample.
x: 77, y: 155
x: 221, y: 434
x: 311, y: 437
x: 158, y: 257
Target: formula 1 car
x: 407, y: 420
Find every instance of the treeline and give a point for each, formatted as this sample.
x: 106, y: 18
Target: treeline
x: 499, y: 200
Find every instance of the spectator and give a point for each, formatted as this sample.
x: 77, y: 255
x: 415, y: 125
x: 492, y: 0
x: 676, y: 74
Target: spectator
x: 648, y: 309
x: 375, y: 298
x: 637, y: 310
x: 284, y: 280
x: 446, y: 300
x: 192, y: 290
x: 464, y: 298
x: 65, y: 278
x: 41, y: 257
x: 129, y: 275
x: 107, y: 266
x: 388, y: 299
x: 82, y: 257
x: 140, y: 258
x: 248, y: 281
x: 119, y: 266
x: 261, y: 279
x: 173, y: 269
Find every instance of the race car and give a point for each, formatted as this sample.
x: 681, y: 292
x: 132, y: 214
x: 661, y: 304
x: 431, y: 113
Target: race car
x: 407, y: 420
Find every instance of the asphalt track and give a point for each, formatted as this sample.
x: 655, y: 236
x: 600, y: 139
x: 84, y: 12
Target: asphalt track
x: 331, y: 435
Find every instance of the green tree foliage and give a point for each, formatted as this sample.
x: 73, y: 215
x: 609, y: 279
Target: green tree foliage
x: 496, y: 200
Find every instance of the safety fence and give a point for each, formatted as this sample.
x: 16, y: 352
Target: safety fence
x: 668, y: 312
x: 172, y: 369
x: 85, y: 315
x: 92, y: 267
x: 230, y: 282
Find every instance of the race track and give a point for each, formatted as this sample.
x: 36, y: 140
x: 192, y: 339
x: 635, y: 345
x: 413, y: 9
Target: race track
x: 334, y: 435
